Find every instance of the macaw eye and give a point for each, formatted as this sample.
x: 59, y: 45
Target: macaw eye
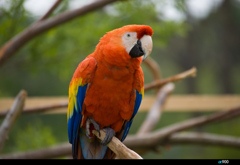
x: 130, y: 35
x: 129, y: 39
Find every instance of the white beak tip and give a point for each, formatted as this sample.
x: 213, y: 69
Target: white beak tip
x: 147, y: 44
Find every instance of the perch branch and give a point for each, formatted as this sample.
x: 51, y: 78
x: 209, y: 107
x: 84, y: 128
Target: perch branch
x: 11, y: 117
x: 118, y: 147
x: 156, y: 109
x: 49, y: 12
x: 13, y: 45
x: 189, y: 73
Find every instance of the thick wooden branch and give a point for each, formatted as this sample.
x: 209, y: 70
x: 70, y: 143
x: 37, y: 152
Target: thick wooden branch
x: 13, y: 45
x: 121, y: 151
x: 189, y: 73
x: 155, y: 112
x: 11, y: 117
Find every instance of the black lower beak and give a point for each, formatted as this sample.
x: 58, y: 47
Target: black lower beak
x: 136, y: 51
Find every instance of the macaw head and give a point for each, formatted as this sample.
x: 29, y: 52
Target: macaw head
x: 128, y: 43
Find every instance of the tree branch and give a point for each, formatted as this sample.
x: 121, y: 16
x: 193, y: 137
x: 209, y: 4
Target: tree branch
x: 49, y: 12
x: 158, y: 136
x: 158, y: 83
x: 121, y: 151
x: 40, y: 109
x: 174, y: 139
x: 189, y: 73
x: 45, y: 153
x: 11, y: 117
x: 154, y: 68
x: 204, y: 139
x: 188, y: 138
x: 155, y: 112
x: 13, y: 45
x: 152, y: 140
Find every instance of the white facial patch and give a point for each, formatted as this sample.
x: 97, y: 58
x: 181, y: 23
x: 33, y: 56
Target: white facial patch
x: 129, y: 39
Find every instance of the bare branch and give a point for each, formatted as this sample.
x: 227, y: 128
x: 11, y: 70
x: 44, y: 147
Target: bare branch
x: 121, y: 151
x: 178, y: 77
x: 154, y: 68
x: 174, y: 139
x: 156, y: 110
x: 176, y: 103
x: 13, y: 45
x: 204, y: 139
x: 11, y: 117
x: 45, y: 153
x: 158, y: 136
x: 188, y: 138
x: 152, y: 140
x: 40, y: 109
x: 49, y: 12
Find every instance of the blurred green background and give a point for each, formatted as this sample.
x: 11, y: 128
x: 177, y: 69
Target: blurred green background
x: 44, y: 67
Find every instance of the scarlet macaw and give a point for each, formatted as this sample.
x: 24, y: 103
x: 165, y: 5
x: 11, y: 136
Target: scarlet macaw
x: 106, y: 90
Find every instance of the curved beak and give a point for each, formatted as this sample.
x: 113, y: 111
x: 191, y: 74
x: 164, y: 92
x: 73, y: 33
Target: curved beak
x: 137, y: 50
x: 146, y: 45
x: 143, y: 47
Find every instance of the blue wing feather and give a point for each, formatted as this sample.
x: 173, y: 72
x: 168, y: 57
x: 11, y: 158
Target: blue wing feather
x: 75, y: 120
x: 136, y: 107
x: 77, y: 91
x: 81, y: 96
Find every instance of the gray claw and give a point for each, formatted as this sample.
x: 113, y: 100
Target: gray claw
x: 109, y: 135
x: 95, y: 124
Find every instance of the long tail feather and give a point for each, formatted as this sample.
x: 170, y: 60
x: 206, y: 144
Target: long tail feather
x: 91, y: 148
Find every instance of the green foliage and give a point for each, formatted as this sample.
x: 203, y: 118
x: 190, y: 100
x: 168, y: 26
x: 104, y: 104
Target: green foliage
x: 13, y: 19
x: 34, y: 136
x: 36, y: 131
x: 48, y: 61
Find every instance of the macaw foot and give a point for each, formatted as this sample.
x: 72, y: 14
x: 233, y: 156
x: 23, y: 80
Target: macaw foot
x: 109, y: 135
x: 96, y: 126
